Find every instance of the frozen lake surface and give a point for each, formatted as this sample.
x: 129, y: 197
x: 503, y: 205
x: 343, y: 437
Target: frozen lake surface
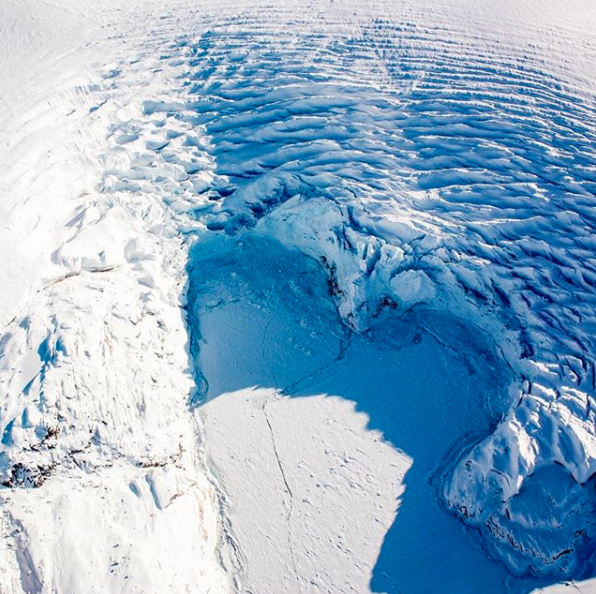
x: 326, y: 441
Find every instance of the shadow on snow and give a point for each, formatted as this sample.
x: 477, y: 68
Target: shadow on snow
x: 261, y: 315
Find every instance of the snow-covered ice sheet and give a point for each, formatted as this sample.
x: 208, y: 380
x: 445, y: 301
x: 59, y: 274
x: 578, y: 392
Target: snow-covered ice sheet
x: 434, y: 161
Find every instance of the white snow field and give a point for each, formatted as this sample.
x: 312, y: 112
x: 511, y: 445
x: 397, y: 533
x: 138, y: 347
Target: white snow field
x: 297, y: 297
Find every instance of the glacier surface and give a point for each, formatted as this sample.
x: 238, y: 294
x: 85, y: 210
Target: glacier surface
x: 298, y: 296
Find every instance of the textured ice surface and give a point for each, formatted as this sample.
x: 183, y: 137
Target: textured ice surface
x: 431, y: 156
x: 430, y: 166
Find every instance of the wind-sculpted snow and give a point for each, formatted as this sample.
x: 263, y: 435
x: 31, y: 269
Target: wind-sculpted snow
x: 433, y: 159
x: 428, y: 173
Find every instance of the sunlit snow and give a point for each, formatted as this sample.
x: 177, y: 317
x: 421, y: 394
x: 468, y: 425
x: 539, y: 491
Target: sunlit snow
x: 297, y: 296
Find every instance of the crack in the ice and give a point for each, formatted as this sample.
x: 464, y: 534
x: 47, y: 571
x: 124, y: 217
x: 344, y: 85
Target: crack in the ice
x: 276, y: 453
x: 288, y: 489
x: 292, y: 388
x: 76, y: 273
